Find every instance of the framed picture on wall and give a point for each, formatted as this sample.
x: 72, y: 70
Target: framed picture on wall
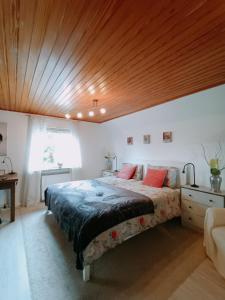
x: 146, y: 139
x: 167, y: 136
x: 130, y: 140
x: 3, y: 139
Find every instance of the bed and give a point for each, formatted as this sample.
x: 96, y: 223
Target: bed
x: 143, y: 207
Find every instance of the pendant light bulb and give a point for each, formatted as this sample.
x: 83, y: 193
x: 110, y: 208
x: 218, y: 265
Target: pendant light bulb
x: 91, y: 113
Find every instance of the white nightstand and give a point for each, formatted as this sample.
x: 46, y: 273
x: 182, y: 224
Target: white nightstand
x: 106, y: 173
x: 195, y: 201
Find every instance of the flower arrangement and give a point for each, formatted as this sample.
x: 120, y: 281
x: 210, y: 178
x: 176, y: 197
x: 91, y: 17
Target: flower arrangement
x: 216, y: 163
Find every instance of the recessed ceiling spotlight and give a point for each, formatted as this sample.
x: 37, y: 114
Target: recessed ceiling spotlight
x: 102, y: 111
x: 67, y: 116
x: 91, y: 89
x: 79, y: 115
x: 91, y: 113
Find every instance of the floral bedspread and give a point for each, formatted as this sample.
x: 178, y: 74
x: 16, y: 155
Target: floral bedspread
x: 167, y: 206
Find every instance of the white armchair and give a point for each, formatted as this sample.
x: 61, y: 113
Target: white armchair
x: 214, y: 237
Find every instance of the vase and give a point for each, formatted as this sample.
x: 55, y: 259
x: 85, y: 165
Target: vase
x: 215, y: 181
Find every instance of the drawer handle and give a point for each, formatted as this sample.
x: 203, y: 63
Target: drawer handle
x: 210, y: 200
x: 189, y: 218
x: 190, y: 195
x: 189, y: 206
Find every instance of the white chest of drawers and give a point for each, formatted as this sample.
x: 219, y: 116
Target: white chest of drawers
x: 194, y: 202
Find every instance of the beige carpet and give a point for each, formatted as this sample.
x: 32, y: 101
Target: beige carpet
x: 149, y: 266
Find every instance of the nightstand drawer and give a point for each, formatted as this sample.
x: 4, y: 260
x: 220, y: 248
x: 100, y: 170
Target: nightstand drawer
x: 192, y: 220
x: 206, y: 199
x: 193, y: 207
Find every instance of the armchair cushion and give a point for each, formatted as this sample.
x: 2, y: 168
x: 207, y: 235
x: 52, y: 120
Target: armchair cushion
x: 214, y: 237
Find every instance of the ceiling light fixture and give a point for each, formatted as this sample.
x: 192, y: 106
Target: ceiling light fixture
x: 94, y: 111
x: 67, y: 116
x: 79, y: 115
x: 95, y: 106
x: 91, y: 113
x: 102, y: 110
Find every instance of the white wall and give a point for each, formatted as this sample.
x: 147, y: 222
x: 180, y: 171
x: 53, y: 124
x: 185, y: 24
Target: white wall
x: 91, y: 142
x: 16, y: 141
x: 195, y: 119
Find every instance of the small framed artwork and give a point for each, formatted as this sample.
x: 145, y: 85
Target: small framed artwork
x: 167, y: 136
x: 130, y: 140
x: 146, y: 139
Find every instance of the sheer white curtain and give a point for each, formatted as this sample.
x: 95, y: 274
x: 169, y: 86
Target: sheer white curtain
x: 75, y: 153
x: 36, y: 142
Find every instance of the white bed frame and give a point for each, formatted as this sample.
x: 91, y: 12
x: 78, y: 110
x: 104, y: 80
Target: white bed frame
x: 86, y: 273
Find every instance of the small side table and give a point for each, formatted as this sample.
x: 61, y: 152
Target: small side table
x: 8, y: 182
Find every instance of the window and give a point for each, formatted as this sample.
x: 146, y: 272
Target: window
x: 59, y: 150
x: 51, y: 148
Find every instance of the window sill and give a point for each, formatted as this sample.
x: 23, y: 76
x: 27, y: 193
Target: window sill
x: 56, y: 171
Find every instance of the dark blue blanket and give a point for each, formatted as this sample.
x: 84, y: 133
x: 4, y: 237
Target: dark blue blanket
x: 86, y: 208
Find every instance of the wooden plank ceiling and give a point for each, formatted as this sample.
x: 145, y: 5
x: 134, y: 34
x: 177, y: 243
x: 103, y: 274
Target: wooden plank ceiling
x: 56, y: 56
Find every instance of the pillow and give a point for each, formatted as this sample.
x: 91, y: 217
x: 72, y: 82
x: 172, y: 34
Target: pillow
x: 171, y: 179
x: 155, y: 177
x: 138, y: 175
x: 127, y: 172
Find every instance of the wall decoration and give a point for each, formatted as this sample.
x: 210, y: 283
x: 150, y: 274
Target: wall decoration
x: 167, y: 136
x: 146, y: 139
x: 3, y: 139
x: 130, y: 140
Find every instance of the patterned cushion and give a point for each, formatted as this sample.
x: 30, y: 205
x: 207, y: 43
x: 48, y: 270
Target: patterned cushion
x: 171, y: 179
x: 155, y: 177
x: 138, y: 175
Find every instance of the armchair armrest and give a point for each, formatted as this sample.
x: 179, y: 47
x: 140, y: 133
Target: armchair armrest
x: 214, y: 217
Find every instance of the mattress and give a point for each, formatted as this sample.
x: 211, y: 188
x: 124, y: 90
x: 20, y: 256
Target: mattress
x: 166, y: 206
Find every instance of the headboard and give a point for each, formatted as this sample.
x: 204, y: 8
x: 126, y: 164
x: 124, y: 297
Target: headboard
x: 178, y: 164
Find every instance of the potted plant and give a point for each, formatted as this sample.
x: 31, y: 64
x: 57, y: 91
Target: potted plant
x: 216, y: 166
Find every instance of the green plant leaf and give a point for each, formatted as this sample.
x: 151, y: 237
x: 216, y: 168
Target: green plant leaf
x: 215, y: 172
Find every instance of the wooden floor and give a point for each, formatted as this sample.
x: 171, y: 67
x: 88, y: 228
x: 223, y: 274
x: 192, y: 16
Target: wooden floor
x: 184, y: 274
x: 203, y: 283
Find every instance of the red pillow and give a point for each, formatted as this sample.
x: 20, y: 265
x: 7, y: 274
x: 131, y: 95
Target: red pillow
x: 155, y: 177
x: 127, y: 172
